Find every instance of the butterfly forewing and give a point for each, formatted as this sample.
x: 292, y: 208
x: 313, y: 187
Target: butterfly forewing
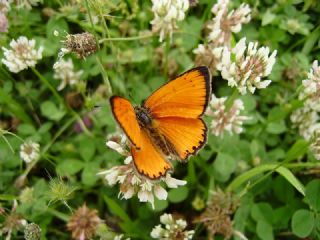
x: 125, y: 115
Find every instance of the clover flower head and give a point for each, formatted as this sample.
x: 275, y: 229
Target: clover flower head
x: 305, y: 119
x: 311, y: 88
x: 4, y: 6
x: 245, y: 66
x: 23, y: 54
x: 315, y: 143
x: 208, y: 55
x: 30, y: 151
x: 28, y: 4
x: 225, y: 23
x: 173, y: 229
x: 166, y: 15
x: 225, y: 120
x: 64, y: 71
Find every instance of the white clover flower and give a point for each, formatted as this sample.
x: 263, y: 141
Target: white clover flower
x: 28, y: 4
x: 30, y: 151
x: 22, y: 54
x: 245, y: 66
x: 173, y: 229
x: 223, y: 120
x: 132, y: 183
x: 311, y: 90
x: 305, y: 119
x: 4, y: 6
x: 64, y: 71
x: 120, y: 237
x: 208, y: 55
x: 225, y: 22
x: 166, y: 15
x: 315, y: 143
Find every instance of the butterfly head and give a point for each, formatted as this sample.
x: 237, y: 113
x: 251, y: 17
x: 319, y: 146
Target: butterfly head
x: 143, y: 116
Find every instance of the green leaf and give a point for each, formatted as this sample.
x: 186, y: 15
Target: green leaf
x: 267, y: 18
x: 13, y: 106
x: 311, y: 41
x: 160, y: 205
x: 89, y: 174
x: 276, y: 127
x: 313, y: 194
x: 262, y: 212
x: 224, y: 166
x: 287, y: 174
x: 263, y: 168
x: 87, y: 148
x: 50, y: 110
x: 178, y: 194
x: 299, y: 148
x: 26, y: 129
x: 116, y: 209
x: 69, y: 167
x: 302, y: 223
x: 264, y: 230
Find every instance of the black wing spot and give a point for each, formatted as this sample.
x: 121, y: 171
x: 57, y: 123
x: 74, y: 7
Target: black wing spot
x: 194, y: 148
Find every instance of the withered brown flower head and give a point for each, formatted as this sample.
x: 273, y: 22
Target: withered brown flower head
x: 82, y: 44
x: 218, y: 215
x: 83, y: 223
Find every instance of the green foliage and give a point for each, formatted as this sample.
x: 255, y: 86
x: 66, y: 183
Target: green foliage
x: 268, y: 166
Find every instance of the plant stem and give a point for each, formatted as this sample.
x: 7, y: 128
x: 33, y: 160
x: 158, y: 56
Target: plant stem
x: 47, y: 83
x: 127, y: 38
x: 231, y: 99
x: 58, y: 214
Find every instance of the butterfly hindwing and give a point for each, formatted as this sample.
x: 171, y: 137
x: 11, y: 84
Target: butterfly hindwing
x: 186, y: 96
x: 124, y: 113
x: 148, y: 160
x: 187, y: 135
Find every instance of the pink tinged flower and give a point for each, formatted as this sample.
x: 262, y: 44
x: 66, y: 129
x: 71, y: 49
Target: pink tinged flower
x: 3, y: 23
x: 223, y: 120
x: 250, y: 65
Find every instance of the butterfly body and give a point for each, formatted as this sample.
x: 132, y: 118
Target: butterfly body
x: 150, y: 127
x: 168, y: 125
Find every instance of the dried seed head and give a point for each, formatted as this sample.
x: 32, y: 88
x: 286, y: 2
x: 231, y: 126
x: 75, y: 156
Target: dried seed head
x: 32, y: 232
x: 83, y: 223
x: 74, y: 100
x: 82, y: 44
x: 217, y: 216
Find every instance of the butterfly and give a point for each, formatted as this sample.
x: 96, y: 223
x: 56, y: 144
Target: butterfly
x: 168, y: 124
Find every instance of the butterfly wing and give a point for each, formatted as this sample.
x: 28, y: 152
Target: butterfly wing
x: 187, y: 135
x: 124, y: 113
x: 148, y: 160
x: 186, y: 96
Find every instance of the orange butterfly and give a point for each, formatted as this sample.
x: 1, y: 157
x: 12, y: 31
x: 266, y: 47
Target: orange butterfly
x: 168, y: 124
